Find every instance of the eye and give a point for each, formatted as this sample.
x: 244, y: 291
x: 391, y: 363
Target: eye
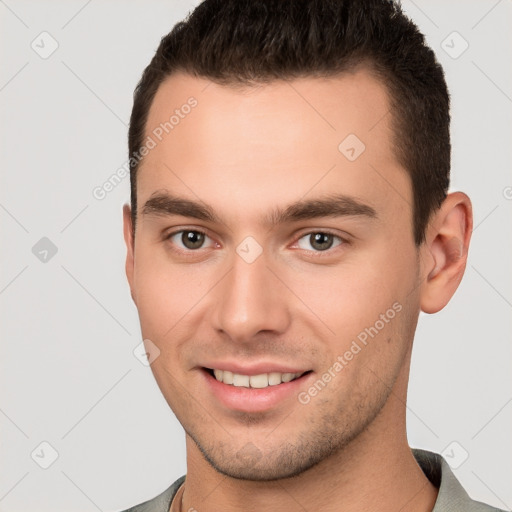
x: 188, y: 239
x: 319, y: 240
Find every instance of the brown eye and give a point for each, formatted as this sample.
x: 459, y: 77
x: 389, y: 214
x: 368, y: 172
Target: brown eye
x: 319, y: 241
x: 192, y: 239
x: 188, y: 239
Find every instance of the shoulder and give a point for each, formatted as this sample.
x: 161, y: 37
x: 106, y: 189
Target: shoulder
x: 452, y: 496
x: 160, y: 503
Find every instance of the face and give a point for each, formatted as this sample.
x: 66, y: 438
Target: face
x: 263, y: 248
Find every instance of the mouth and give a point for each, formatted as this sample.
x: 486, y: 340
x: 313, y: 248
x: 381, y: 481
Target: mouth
x: 257, y: 393
x: 260, y: 381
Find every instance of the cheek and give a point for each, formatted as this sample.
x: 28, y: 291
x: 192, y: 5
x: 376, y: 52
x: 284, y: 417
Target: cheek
x: 360, y: 299
x: 166, y: 294
x: 351, y: 294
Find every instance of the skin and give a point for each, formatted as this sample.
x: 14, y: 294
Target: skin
x: 245, y: 152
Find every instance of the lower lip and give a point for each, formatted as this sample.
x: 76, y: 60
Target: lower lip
x: 244, y: 399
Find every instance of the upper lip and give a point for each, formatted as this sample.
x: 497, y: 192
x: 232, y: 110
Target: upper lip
x: 255, y: 368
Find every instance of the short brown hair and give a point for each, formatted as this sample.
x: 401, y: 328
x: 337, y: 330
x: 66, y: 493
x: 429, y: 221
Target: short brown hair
x: 252, y: 42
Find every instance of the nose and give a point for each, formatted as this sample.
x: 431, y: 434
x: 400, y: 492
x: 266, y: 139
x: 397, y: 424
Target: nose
x: 249, y: 301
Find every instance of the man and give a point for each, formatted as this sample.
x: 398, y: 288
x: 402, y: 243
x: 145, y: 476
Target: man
x: 289, y: 220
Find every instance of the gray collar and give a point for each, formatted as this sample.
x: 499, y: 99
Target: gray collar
x: 452, y: 497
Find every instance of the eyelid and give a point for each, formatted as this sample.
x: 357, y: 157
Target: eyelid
x: 169, y: 234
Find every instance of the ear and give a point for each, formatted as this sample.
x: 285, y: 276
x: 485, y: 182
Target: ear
x: 445, y: 251
x: 130, y: 247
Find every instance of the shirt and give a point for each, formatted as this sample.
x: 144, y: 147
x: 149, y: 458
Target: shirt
x: 451, y: 497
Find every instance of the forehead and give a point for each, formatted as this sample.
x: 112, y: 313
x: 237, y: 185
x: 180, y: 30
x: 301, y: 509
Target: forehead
x: 284, y: 140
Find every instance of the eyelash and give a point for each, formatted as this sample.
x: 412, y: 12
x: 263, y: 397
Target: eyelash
x: 343, y: 241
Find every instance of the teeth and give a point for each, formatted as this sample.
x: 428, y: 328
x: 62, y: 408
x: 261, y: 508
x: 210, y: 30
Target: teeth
x: 274, y: 378
x: 240, y: 380
x: 259, y: 381
x: 254, y: 381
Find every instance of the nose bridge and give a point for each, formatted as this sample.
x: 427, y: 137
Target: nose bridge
x: 248, y: 301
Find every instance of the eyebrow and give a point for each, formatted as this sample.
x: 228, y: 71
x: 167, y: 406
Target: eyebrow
x: 332, y: 205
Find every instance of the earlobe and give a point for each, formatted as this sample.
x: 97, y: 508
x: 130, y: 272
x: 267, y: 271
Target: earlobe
x: 130, y: 248
x: 447, y: 244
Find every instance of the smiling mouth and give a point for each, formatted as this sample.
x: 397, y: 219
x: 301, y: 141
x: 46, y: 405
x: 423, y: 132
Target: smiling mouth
x: 260, y: 381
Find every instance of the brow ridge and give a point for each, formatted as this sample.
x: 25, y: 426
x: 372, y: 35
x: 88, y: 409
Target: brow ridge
x: 333, y: 205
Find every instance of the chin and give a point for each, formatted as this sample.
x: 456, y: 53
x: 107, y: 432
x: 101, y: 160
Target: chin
x: 249, y: 463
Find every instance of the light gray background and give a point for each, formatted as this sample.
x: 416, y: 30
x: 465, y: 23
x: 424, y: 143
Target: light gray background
x: 68, y: 375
